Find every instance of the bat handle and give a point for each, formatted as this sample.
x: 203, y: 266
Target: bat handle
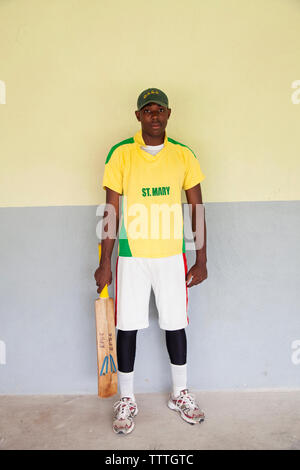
x: 104, y: 293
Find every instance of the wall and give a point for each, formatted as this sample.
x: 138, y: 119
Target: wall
x: 72, y: 71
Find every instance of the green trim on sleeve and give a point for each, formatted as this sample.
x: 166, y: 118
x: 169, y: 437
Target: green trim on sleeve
x: 173, y: 141
x: 124, y: 248
x: 123, y: 142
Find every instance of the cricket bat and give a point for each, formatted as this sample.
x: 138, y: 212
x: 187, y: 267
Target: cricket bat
x: 106, y: 343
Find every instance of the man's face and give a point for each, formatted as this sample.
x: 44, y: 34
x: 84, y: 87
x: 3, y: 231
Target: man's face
x: 153, y: 118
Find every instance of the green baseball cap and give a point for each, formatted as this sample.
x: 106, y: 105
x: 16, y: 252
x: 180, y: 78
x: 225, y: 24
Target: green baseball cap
x: 152, y: 95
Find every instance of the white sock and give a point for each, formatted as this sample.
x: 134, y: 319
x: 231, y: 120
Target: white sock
x: 126, y: 384
x: 179, y: 378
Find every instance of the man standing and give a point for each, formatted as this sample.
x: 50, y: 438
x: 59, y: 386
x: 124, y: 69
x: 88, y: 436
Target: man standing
x: 150, y: 170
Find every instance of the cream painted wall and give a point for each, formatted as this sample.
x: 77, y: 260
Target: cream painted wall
x: 73, y: 70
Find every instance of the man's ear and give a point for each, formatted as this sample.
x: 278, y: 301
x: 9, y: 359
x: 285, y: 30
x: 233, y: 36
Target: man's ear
x: 138, y: 115
x: 169, y: 112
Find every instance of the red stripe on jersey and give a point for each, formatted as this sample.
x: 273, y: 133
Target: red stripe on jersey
x: 116, y: 297
x: 186, y: 287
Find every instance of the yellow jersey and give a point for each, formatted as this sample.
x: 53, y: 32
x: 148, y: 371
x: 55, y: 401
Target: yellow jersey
x: 151, y: 221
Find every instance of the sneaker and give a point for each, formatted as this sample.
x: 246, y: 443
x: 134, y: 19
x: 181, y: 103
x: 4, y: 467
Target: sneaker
x: 124, y: 411
x: 187, y: 407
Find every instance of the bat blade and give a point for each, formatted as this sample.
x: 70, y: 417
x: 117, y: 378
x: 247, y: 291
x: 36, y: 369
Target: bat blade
x: 106, y: 344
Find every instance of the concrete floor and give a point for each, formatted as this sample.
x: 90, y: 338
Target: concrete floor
x: 235, y: 420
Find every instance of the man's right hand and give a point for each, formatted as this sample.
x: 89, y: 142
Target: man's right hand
x: 103, y: 276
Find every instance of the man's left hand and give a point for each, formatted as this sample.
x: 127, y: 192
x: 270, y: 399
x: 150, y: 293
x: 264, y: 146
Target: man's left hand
x: 198, y: 272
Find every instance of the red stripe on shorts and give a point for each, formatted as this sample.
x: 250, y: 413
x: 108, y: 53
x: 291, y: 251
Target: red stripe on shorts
x: 116, y: 296
x: 186, y: 287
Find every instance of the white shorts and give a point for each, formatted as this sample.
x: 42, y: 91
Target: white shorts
x: 134, y: 278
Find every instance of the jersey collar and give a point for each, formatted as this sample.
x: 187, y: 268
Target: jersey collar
x: 138, y: 138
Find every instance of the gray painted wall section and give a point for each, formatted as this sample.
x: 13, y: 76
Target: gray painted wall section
x: 243, y: 318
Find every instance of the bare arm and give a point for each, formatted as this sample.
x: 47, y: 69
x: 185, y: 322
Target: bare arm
x: 103, y: 274
x: 199, y: 271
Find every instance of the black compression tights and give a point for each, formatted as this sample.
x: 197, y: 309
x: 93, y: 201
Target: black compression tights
x: 126, y: 345
x: 126, y: 348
